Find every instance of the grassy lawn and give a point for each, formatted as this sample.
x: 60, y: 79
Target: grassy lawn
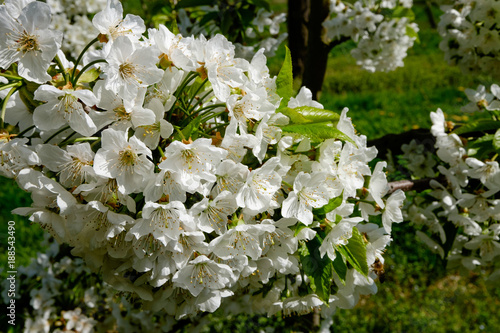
x: 394, y: 102
x: 28, y: 237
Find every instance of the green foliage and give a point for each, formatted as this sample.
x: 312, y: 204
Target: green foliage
x: 317, y: 132
x: 319, y: 270
x: 284, y: 81
x: 404, y: 12
x: 480, y: 125
x: 340, y: 266
x: 418, y: 295
x: 496, y: 140
x: 28, y: 237
x: 355, y: 252
x: 89, y: 76
x: 331, y: 205
x: 309, y: 114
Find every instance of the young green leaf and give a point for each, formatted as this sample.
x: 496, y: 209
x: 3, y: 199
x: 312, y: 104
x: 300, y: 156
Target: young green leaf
x: 317, y: 115
x: 331, y: 205
x: 89, y: 76
x: 284, y: 81
x: 309, y: 114
x: 404, y: 12
x: 317, y: 132
x: 410, y: 32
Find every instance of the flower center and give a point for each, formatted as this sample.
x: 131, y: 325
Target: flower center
x: 121, y: 114
x: 128, y: 157
x: 127, y: 70
x: 27, y: 43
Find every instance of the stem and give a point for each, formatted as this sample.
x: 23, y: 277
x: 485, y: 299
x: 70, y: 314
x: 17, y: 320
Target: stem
x: 201, y: 100
x: 90, y: 64
x: 205, y: 134
x: 93, y: 144
x: 5, y: 100
x: 414, y: 185
x: 183, y: 85
x: 10, y: 76
x: 81, y: 56
x: 87, y: 138
x: 210, y: 107
x: 196, y: 92
x: 10, y: 85
x: 62, y: 69
x: 56, y: 133
x: 65, y: 141
x: 207, y: 109
x: 213, y: 115
x: 211, y: 129
x: 161, y: 151
x: 20, y: 135
x: 180, y: 132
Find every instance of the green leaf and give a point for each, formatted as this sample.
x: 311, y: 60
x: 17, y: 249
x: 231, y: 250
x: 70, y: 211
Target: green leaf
x: 295, y: 116
x: 190, y: 131
x: 317, y: 132
x: 410, y: 32
x: 284, y: 81
x: 174, y: 27
x: 331, y: 205
x: 404, y: 12
x: 194, y: 3
x: 317, y: 115
x: 478, y: 126
x: 261, y: 3
x: 212, y: 16
x: 89, y: 76
x: 355, y: 252
x: 482, y: 147
x: 227, y: 22
x: 496, y: 140
x: 297, y: 228
x: 319, y: 270
x: 309, y: 114
x: 340, y: 267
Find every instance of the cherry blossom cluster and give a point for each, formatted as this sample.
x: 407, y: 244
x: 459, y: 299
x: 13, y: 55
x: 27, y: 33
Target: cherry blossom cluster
x: 185, y: 175
x: 471, y: 36
x: 381, y: 30
x: 262, y: 32
x: 461, y: 212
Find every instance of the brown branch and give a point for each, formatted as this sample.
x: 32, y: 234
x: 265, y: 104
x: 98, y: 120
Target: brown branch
x: 415, y: 185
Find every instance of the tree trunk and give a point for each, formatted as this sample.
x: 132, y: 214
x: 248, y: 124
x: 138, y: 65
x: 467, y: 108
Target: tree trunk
x: 298, y: 20
x: 317, y: 50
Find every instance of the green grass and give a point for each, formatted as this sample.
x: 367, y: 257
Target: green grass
x: 419, y: 295
x: 394, y: 102
x: 28, y: 237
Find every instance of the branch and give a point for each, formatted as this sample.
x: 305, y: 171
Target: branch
x: 415, y: 185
